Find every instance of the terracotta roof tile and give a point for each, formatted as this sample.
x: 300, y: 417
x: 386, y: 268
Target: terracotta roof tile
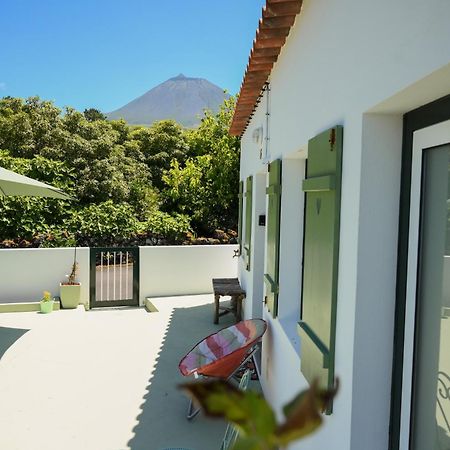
x: 278, y: 16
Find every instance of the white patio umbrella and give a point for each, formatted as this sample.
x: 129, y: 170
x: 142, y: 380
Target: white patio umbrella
x: 11, y: 183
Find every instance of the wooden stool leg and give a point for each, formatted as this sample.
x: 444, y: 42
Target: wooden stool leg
x: 216, y: 312
x: 239, y: 308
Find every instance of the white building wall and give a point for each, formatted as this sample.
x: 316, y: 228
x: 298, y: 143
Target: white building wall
x: 349, y: 56
x: 164, y: 271
x: 361, y: 65
x: 26, y: 273
x: 184, y: 270
x: 291, y: 245
x: 376, y: 279
x: 253, y: 305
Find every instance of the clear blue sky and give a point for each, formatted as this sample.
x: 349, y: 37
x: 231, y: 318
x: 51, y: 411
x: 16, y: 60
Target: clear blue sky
x: 104, y: 53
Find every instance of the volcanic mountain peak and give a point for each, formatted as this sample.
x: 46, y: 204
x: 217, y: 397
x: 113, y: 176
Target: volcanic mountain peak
x: 180, y: 98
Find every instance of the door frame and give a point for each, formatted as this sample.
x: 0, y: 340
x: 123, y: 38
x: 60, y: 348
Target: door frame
x: 93, y: 303
x: 426, y: 116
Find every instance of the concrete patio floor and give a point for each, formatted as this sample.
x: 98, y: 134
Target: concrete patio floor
x: 103, y: 379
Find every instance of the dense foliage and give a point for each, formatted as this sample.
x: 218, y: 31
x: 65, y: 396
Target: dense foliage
x: 145, y: 185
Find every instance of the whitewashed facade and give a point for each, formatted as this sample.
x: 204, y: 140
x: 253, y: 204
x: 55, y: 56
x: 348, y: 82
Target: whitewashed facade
x: 362, y: 65
x: 165, y: 271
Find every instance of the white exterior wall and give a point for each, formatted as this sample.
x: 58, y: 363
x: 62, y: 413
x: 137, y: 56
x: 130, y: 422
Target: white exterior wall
x: 253, y: 285
x: 361, y: 65
x: 26, y: 273
x: 164, y: 271
x: 184, y: 270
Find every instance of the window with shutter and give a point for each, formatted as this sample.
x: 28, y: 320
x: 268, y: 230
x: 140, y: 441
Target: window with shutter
x: 322, y: 187
x: 248, y: 221
x: 241, y: 202
x: 271, y: 277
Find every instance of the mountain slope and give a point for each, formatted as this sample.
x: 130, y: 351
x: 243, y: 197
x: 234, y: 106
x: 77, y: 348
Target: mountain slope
x: 180, y: 98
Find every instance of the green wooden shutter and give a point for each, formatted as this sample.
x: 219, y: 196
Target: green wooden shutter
x: 248, y: 221
x: 271, y: 277
x: 241, y: 198
x: 322, y: 187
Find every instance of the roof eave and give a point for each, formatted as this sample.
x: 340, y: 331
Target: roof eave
x: 278, y: 17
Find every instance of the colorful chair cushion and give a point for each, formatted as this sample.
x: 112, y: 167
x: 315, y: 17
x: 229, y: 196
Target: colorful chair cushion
x: 221, y: 353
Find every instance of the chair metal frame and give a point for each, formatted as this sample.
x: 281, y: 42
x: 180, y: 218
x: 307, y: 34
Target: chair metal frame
x: 192, y: 411
x: 231, y: 432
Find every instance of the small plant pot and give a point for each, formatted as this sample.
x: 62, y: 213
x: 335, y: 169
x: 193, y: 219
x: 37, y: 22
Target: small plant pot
x: 70, y: 295
x: 47, y: 307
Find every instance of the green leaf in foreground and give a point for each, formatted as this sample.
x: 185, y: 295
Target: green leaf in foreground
x: 219, y: 398
x: 253, y: 416
x: 303, y: 414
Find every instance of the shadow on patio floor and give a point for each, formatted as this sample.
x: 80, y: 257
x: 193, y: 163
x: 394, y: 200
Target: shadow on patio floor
x: 164, y: 400
x: 8, y: 336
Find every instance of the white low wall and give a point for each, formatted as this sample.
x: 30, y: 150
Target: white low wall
x: 26, y: 273
x: 164, y: 271
x: 182, y: 270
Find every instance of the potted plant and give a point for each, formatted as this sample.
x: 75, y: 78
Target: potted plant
x: 71, y: 289
x: 46, y: 303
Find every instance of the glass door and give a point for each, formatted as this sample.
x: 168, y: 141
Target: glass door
x: 430, y: 418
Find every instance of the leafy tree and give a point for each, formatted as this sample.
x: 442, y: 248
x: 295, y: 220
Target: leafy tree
x: 123, y: 130
x: 160, y: 144
x: 105, y: 219
x: 206, y: 186
x: 16, y: 133
x: 213, y: 130
x: 92, y: 114
x: 44, y: 119
x: 28, y: 216
x: 164, y: 226
x: 187, y: 189
x: 128, y: 181
x: 104, y: 170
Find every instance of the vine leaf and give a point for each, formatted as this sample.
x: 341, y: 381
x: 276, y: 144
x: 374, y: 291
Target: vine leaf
x: 254, y: 417
x: 248, y: 410
x: 303, y: 413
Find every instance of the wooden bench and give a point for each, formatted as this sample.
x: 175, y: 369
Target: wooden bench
x: 232, y: 288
